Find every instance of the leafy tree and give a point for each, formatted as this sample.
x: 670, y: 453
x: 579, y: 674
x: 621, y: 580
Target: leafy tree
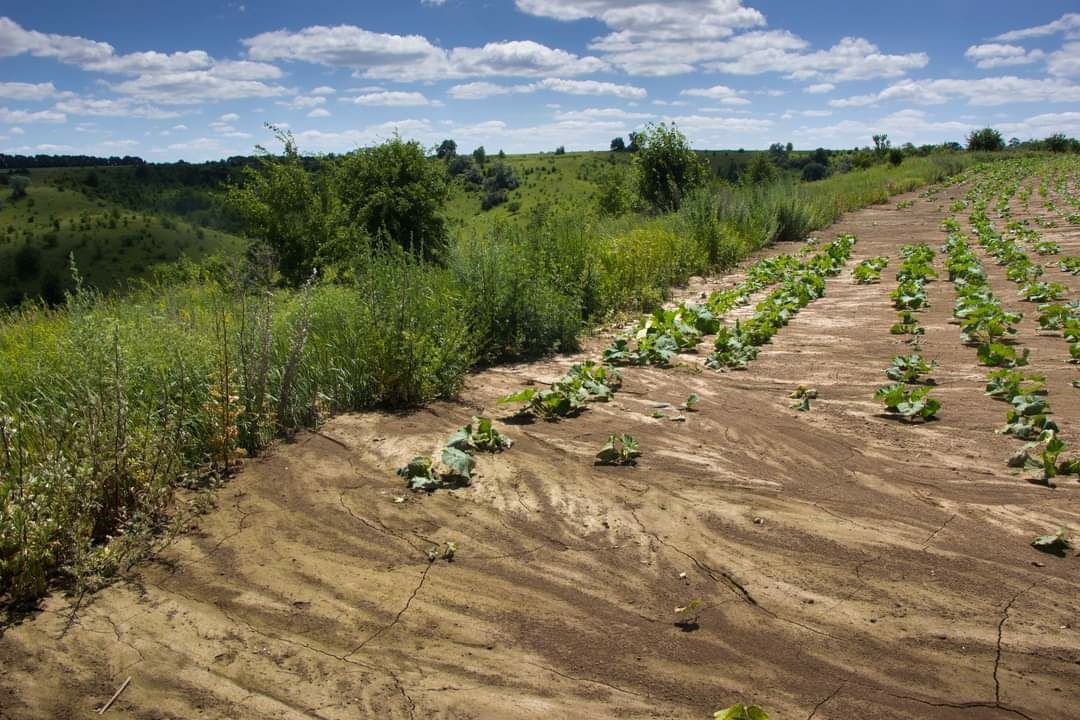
x: 288, y: 208
x: 881, y: 144
x: 820, y: 156
x: 561, y: 150
x: 396, y: 195
x: 18, y: 184
x: 618, y: 144
x: 778, y: 154
x: 1057, y: 143
x: 666, y: 168
x: 635, y: 142
x: 480, y: 156
x: 502, y: 155
x: 447, y: 149
x: 615, y: 195
x: 500, y: 176
x: 760, y: 171
x: 1014, y: 142
x: 814, y: 171
x: 988, y: 140
x: 895, y: 157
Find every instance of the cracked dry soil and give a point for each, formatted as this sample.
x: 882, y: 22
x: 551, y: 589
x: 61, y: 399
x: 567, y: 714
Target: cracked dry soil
x: 849, y: 566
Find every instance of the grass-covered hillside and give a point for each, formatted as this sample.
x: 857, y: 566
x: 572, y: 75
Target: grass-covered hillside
x: 111, y: 244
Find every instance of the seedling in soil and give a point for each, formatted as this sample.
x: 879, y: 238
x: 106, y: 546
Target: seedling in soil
x: 993, y: 354
x: 910, y: 369
x: 804, y: 395
x: 446, y: 552
x: 914, y: 404
x: 420, y: 473
x: 619, y: 450
x: 739, y: 711
x: 1006, y: 384
x: 906, y: 324
x: 1043, y: 455
x: 691, y: 403
x: 869, y: 270
x: 1057, y: 543
x: 480, y: 434
x: 688, y: 615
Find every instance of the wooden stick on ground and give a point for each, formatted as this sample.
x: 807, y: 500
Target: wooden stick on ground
x: 113, y: 698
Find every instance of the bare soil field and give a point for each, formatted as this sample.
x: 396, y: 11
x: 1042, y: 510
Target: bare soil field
x: 849, y: 565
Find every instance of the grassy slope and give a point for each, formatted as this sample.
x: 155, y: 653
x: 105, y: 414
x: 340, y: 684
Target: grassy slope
x: 111, y: 244
x: 546, y: 179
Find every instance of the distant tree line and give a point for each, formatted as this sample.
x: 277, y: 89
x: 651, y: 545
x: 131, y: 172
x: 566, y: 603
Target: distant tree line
x: 19, y: 162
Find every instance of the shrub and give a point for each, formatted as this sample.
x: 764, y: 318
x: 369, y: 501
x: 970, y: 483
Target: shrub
x: 760, y: 171
x: 493, y: 198
x: 985, y: 140
x: 286, y: 207
x: 666, y: 168
x: 896, y: 156
x: 814, y: 171
x: 394, y: 193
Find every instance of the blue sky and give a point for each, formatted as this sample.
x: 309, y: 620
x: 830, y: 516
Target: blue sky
x: 197, y: 80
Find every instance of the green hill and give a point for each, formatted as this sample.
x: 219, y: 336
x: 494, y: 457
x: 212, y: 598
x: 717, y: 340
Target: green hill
x: 112, y: 245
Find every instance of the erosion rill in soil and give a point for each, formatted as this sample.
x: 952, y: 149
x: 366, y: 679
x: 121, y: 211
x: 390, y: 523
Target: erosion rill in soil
x: 844, y: 563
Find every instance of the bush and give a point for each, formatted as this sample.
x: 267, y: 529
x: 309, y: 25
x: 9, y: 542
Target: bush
x: 492, y: 198
x: 667, y: 169
x: 985, y: 140
x: 513, y: 302
x: 814, y: 171
x: 895, y: 157
x: 394, y: 193
x: 500, y: 176
x: 287, y: 208
x: 18, y: 184
x: 760, y: 171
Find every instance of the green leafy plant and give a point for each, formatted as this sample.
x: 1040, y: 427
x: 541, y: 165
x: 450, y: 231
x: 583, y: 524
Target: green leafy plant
x: 480, y: 434
x: 869, y: 270
x: 739, y: 711
x: 907, y: 324
x: 910, y: 369
x: 620, y: 449
x: 1042, y: 292
x: 994, y: 354
x: 1055, y: 316
x: 1070, y: 264
x: 1028, y: 418
x: 1058, y: 542
x: 691, y: 402
x: 1005, y: 384
x: 910, y: 295
x: 420, y: 473
x: 913, y: 404
x: 803, y: 395
x: 584, y: 382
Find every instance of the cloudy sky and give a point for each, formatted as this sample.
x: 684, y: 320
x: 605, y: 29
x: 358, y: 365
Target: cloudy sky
x: 196, y: 80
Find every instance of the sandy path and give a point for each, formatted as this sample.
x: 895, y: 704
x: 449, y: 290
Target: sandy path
x: 850, y: 566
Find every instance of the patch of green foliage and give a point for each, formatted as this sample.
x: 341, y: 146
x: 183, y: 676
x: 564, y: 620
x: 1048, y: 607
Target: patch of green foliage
x: 620, y: 449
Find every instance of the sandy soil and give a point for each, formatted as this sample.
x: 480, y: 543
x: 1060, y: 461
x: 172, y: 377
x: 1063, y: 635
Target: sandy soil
x: 849, y: 565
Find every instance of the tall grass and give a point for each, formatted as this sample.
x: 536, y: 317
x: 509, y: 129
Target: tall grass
x: 108, y: 403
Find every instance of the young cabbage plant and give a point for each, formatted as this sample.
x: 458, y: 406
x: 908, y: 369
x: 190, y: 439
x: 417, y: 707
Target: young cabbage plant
x: 620, y: 449
x: 910, y: 369
x: 480, y: 434
x: 913, y: 404
x: 740, y: 711
x: 1057, y: 542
